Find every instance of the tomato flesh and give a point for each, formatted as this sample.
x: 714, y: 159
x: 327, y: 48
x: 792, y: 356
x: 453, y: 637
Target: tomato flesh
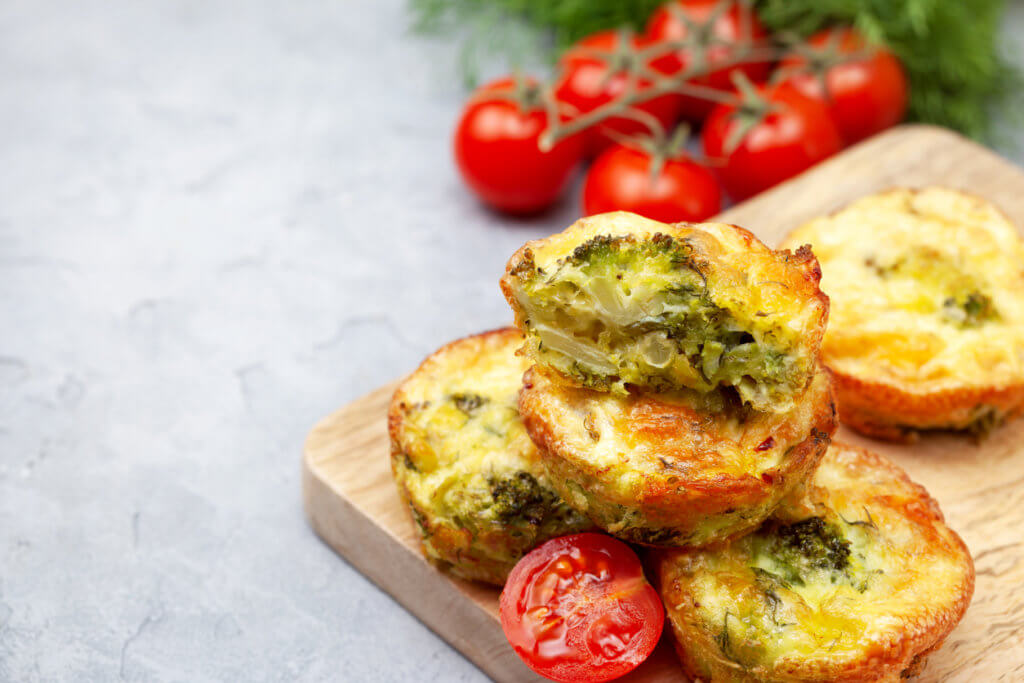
x: 578, y: 608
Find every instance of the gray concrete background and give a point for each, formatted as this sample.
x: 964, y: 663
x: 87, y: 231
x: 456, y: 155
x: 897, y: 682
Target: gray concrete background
x: 218, y: 222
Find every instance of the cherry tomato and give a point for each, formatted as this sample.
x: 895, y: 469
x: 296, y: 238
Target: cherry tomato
x: 787, y: 133
x: 734, y: 25
x: 596, y: 71
x: 865, y: 95
x: 621, y: 180
x: 578, y: 608
x: 497, y: 148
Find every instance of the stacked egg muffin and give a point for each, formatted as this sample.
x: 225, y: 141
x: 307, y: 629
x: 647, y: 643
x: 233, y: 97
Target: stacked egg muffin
x: 664, y: 385
x: 676, y: 395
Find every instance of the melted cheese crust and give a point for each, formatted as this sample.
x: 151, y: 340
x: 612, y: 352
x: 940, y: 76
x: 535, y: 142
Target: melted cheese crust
x: 455, y: 436
x: 777, y: 289
x: 897, y: 267
x: 673, y: 471
x: 909, y: 580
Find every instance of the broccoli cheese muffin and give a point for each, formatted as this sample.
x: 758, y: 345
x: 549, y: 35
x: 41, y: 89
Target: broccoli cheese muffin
x: 618, y: 301
x: 927, y: 320
x: 680, y: 470
x: 858, y: 581
x: 465, y: 465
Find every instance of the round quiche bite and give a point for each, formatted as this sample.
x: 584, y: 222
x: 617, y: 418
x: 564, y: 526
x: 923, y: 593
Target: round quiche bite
x: 859, y: 579
x: 927, y: 318
x: 619, y: 303
x: 464, y: 464
x: 679, y: 470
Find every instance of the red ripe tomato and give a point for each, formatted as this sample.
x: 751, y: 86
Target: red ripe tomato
x: 622, y: 179
x: 865, y: 95
x: 596, y: 71
x: 497, y: 148
x: 728, y: 29
x: 578, y: 608
x: 787, y: 132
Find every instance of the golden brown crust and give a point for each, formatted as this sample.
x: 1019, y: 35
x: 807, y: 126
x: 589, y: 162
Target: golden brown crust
x: 886, y: 411
x: 442, y: 543
x: 973, y: 382
x: 658, y: 471
x: 895, y: 632
x: 435, y: 470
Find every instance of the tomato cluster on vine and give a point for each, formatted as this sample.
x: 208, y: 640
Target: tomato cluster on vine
x: 767, y: 107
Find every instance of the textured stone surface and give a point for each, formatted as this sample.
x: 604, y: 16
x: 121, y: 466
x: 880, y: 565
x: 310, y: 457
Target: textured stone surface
x: 218, y: 222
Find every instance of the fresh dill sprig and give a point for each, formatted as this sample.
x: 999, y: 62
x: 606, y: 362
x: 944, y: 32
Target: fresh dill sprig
x: 959, y: 75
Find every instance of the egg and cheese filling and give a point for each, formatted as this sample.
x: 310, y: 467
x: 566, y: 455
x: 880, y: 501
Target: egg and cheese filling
x: 470, y: 466
x: 793, y: 585
x: 472, y: 477
x: 924, y: 280
x: 859, y: 577
x: 650, y: 312
x: 927, y: 289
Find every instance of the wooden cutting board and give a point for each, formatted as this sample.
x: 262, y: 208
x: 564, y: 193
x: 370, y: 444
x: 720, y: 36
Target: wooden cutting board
x: 353, y: 505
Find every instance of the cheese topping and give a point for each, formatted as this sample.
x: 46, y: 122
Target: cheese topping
x: 926, y: 287
x: 464, y: 461
x: 836, y: 580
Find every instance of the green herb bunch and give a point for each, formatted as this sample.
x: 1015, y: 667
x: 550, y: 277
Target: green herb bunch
x: 949, y: 48
x: 958, y: 74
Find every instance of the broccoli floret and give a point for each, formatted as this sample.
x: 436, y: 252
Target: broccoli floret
x: 645, y: 305
x: 623, y: 250
x: 970, y: 310
x: 976, y: 304
x: 596, y: 250
x: 985, y: 421
x: 591, y: 379
x: 679, y: 252
x: 521, y: 497
x: 526, y: 267
x: 963, y: 303
x: 468, y: 403
x: 807, y: 546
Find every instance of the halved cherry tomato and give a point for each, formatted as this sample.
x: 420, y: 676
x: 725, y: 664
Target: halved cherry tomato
x: 864, y: 95
x: 735, y: 24
x: 625, y: 178
x: 775, y: 134
x: 578, y: 608
x: 595, y: 71
x: 497, y: 150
